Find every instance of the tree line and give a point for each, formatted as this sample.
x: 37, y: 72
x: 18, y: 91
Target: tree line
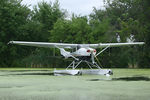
x: 120, y: 21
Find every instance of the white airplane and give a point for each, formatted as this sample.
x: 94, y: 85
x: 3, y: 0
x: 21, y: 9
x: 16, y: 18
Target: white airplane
x: 83, y: 53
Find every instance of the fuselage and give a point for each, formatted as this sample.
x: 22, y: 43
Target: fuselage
x: 84, y: 52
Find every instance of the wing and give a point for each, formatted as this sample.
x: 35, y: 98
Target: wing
x: 103, y: 45
x: 67, y: 45
x: 44, y: 44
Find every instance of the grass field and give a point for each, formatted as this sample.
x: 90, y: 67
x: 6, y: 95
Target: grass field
x: 39, y: 84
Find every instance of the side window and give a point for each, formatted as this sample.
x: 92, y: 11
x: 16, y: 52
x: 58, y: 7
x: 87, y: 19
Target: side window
x: 73, y: 49
x: 78, y: 47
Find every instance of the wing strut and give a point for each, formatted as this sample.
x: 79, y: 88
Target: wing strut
x: 102, y: 50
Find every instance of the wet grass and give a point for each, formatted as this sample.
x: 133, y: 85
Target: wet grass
x: 40, y: 84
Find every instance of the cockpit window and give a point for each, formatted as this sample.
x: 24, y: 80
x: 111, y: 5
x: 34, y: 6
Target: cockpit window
x: 78, y: 47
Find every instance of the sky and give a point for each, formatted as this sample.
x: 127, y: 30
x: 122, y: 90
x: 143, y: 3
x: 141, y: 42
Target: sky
x: 79, y: 7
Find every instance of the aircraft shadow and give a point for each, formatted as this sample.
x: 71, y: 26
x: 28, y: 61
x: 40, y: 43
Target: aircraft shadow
x: 133, y: 78
x: 33, y: 74
x: 27, y: 72
x: 21, y: 70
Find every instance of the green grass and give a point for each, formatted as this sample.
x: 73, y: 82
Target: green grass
x: 17, y: 84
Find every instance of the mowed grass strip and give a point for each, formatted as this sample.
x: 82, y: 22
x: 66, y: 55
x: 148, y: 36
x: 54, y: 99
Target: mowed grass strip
x: 123, y: 85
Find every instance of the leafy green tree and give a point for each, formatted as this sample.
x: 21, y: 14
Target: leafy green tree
x: 47, y: 14
x: 125, y: 19
x: 75, y: 30
x: 13, y: 16
x: 44, y: 15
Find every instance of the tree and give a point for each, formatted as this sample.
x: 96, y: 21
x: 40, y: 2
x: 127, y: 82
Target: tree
x: 13, y: 16
x: 75, y: 30
x: 126, y: 24
x: 45, y: 15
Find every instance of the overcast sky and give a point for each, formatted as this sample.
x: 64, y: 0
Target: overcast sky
x: 82, y: 7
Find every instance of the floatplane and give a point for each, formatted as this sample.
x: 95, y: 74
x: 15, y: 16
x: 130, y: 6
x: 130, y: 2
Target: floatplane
x: 83, y: 53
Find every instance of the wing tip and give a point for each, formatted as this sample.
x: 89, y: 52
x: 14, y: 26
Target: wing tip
x: 10, y: 42
x: 140, y: 43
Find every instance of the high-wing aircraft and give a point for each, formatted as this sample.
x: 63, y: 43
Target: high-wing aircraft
x: 82, y: 53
